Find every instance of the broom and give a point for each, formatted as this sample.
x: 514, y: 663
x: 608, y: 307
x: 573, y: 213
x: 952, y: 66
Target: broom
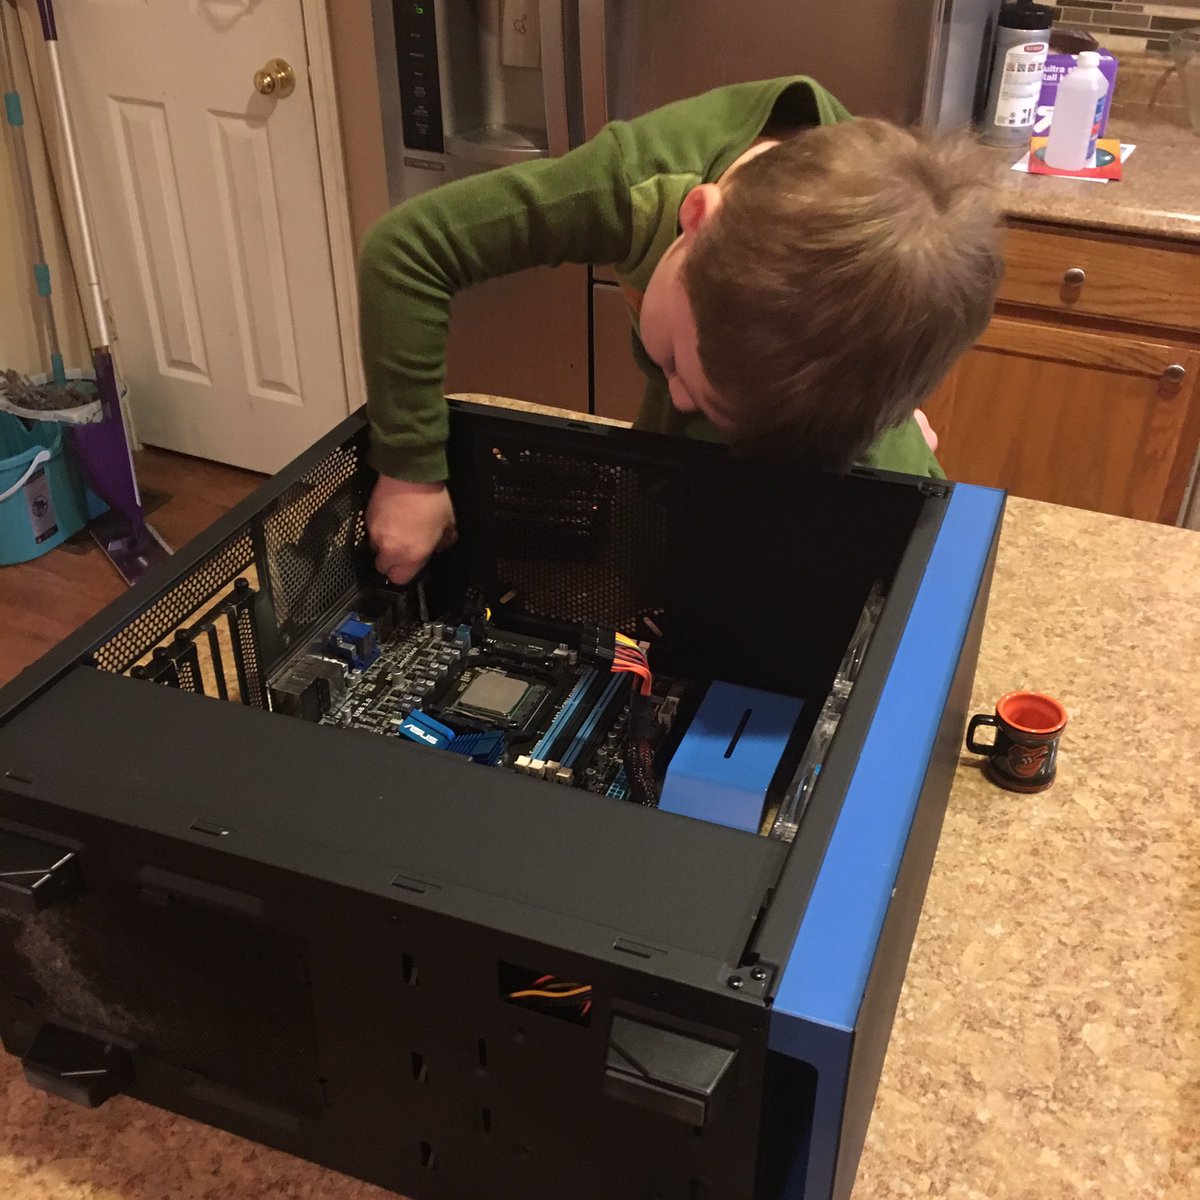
x: 19, y: 394
x: 103, y: 446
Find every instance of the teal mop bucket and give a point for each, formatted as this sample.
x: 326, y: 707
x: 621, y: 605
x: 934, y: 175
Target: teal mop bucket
x: 42, y: 501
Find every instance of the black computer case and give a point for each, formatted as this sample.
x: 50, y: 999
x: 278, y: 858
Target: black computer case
x: 312, y: 935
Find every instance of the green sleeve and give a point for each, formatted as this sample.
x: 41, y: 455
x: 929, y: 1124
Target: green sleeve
x: 542, y: 213
x: 904, y: 448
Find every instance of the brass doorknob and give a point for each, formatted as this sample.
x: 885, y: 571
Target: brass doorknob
x: 275, y: 79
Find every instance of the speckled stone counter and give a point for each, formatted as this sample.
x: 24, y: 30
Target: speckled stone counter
x: 1048, y: 1040
x: 1159, y: 195
x: 1047, y: 1045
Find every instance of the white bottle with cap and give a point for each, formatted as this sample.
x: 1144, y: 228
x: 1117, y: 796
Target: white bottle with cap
x: 1078, y: 111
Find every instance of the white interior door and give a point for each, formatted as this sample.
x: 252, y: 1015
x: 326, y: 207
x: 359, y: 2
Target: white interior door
x: 207, y: 201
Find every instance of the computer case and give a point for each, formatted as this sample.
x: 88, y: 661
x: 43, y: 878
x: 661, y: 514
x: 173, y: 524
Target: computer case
x: 312, y: 936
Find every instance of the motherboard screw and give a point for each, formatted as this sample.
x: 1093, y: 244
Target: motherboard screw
x: 736, y: 982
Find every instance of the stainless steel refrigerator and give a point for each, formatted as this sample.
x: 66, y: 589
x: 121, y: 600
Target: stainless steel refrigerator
x: 471, y: 85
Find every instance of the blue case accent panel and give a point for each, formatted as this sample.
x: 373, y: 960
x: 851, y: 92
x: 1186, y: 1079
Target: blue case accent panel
x: 826, y: 973
x: 812, y: 1159
x: 725, y: 762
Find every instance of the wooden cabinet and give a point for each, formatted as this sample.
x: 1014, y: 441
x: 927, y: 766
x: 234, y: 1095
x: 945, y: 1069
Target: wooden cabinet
x: 1085, y: 388
x: 619, y: 385
x: 1095, y: 421
x: 1104, y: 276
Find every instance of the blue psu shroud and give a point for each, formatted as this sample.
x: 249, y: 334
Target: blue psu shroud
x: 837, y: 995
x: 725, y: 762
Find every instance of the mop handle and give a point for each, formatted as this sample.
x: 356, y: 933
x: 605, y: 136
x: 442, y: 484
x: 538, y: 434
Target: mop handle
x: 46, y: 12
x: 87, y: 245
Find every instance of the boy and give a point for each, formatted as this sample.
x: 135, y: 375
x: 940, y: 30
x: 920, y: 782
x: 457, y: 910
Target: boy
x: 798, y: 283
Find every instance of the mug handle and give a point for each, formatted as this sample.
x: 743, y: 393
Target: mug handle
x: 976, y: 721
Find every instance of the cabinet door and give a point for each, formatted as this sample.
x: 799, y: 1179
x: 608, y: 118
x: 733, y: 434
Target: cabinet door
x: 1092, y: 420
x: 618, y: 382
x: 524, y: 336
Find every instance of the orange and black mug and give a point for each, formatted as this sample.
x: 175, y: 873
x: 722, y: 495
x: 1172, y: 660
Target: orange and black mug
x: 1024, y: 755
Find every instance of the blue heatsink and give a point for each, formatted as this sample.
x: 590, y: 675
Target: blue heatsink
x: 420, y: 727
x: 486, y: 748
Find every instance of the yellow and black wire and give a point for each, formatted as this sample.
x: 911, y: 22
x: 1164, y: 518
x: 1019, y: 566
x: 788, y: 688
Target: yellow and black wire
x: 550, y: 992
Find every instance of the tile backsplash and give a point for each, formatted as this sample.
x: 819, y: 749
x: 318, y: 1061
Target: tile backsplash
x: 1148, y: 85
x: 1128, y: 28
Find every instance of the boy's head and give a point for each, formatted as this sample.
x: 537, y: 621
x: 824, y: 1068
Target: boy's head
x: 824, y: 288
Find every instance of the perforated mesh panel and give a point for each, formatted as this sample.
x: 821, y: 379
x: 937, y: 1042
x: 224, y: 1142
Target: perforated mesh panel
x: 188, y: 984
x: 581, y: 541
x: 187, y: 668
x: 177, y: 606
x: 311, y: 537
x: 247, y: 644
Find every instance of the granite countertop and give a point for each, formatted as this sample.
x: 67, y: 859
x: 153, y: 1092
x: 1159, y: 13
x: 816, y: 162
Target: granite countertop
x: 1047, y: 1044
x: 1159, y: 195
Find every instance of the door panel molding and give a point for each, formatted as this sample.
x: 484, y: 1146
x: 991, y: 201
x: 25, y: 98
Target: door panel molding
x: 1099, y: 351
x: 160, y: 237
x: 342, y: 245
x: 255, y: 240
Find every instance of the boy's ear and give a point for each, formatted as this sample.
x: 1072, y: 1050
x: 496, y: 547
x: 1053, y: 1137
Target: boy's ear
x: 698, y: 206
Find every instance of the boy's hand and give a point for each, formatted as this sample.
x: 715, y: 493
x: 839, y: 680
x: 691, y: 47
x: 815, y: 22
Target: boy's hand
x: 927, y: 430
x: 407, y: 522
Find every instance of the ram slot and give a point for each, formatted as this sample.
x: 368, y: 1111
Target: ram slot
x: 603, y: 715
x: 565, y: 738
x: 566, y: 715
x: 526, y: 762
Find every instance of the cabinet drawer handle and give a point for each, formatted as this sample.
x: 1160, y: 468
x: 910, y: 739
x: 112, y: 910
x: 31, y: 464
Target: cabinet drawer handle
x: 1074, y: 277
x: 1175, y: 373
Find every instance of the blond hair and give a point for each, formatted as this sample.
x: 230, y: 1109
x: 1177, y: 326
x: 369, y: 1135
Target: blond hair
x: 844, y: 273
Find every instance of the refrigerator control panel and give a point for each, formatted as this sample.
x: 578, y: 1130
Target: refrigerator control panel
x: 417, y: 60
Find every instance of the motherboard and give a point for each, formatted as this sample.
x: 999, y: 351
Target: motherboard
x: 586, y: 713
x: 589, y: 715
